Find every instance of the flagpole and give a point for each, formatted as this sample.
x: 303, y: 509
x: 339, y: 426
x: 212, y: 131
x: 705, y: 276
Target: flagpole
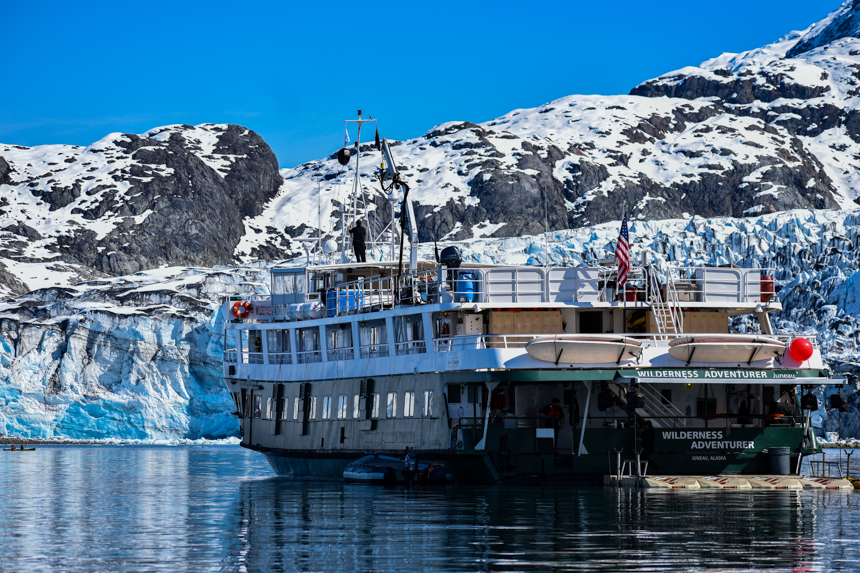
x: 624, y: 292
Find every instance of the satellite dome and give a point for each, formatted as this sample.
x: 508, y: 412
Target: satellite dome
x: 329, y: 246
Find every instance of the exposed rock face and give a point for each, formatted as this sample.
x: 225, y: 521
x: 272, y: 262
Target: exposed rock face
x: 842, y: 23
x: 175, y: 195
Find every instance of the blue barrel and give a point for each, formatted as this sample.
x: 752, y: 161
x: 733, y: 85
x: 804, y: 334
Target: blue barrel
x: 331, y: 303
x: 342, y: 301
x: 467, y: 287
x: 779, y: 461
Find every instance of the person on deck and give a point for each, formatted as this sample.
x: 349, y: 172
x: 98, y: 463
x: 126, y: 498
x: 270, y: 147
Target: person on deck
x: 358, y: 233
x: 555, y: 417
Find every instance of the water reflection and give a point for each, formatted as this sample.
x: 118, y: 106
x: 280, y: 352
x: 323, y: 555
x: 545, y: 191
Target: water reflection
x: 130, y: 509
x: 290, y: 526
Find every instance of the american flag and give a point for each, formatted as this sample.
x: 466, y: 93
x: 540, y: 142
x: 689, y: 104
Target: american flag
x: 622, y: 252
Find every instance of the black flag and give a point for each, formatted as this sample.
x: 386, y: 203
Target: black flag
x: 378, y: 146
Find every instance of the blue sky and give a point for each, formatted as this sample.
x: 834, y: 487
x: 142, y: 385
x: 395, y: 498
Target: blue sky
x: 73, y: 72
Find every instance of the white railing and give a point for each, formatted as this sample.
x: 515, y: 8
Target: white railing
x: 280, y: 358
x: 722, y: 284
x: 542, y: 285
x: 252, y: 357
x: 309, y: 356
x: 341, y: 354
x: 410, y: 347
x: 374, y: 351
x: 653, y: 339
x: 465, y: 342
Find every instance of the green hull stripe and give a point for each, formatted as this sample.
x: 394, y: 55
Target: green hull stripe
x: 722, y: 374
x: 669, y: 375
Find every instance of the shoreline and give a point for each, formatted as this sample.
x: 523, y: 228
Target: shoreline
x: 12, y: 440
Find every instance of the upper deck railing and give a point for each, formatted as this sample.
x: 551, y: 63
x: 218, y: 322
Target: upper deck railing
x: 534, y: 285
x: 483, y: 341
x: 455, y: 343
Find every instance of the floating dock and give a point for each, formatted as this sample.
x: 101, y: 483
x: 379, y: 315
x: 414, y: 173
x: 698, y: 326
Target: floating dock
x: 764, y: 482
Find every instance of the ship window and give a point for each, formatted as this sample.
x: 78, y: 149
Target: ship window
x: 454, y: 393
x: 309, y: 339
x: 591, y: 322
x: 341, y: 407
x: 666, y: 394
x: 374, y: 412
x: 408, y: 404
x: 312, y: 409
x: 284, y: 409
x: 356, y: 401
x: 246, y: 405
x: 339, y: 338
x: 296, y: 409
x: 268, y: 408
x: 428, y: 403
x: 326, y: 407
x: 391, y: 405
x: 258, y: 406
x: 279, y: 346
x: 373, y: 339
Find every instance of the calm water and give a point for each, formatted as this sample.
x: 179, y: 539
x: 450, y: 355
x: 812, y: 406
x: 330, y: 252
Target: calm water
x: 100, y: 508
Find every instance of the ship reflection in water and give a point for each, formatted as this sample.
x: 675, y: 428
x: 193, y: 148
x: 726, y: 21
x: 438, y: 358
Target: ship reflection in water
x: 128, y: 509
x: 294, y: 526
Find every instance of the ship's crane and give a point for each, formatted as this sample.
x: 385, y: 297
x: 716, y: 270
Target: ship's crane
x: 388, y: 173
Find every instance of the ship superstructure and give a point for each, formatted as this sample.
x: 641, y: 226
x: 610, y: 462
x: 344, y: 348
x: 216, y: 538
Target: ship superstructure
x: 460, y: 362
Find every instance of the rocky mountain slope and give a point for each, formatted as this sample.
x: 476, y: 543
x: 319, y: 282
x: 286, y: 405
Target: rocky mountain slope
x: 173, y: 195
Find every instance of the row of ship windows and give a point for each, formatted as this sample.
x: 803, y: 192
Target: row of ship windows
x: 427, y: 410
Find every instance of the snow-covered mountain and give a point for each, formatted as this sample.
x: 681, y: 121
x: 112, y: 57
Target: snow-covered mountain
x: 173, y: 195
x: 767, y: 130
x: 747, y: 158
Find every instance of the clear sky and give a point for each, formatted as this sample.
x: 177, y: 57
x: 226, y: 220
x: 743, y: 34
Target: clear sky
x: 72, y: 72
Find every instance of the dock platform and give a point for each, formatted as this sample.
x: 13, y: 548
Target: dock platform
x: 763, y: 482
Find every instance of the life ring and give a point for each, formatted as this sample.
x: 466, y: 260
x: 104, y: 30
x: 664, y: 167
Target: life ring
x: 242, y: 309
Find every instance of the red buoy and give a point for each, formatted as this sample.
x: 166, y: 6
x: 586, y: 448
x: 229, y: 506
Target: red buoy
x: 800, y: 349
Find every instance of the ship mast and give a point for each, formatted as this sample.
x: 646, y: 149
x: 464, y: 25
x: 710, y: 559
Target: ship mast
x: 356, y: 187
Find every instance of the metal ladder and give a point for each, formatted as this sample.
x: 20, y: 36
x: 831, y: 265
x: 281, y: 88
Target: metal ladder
x: 666, y: 314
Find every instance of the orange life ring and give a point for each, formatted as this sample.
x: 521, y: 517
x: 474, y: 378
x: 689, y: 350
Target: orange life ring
x: 242, y: 309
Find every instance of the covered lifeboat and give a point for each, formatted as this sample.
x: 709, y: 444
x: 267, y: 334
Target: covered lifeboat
x: 584, y: 348
x: 726, y: 348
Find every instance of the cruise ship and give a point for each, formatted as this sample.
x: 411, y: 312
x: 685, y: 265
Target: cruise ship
x: 518, y: 374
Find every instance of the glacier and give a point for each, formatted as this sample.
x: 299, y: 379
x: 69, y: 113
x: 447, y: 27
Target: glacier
x: 138, y: 358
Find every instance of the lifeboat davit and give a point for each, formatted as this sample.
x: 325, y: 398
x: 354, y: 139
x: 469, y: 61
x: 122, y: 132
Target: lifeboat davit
x: 584, y: 348
x: 726, y: 348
